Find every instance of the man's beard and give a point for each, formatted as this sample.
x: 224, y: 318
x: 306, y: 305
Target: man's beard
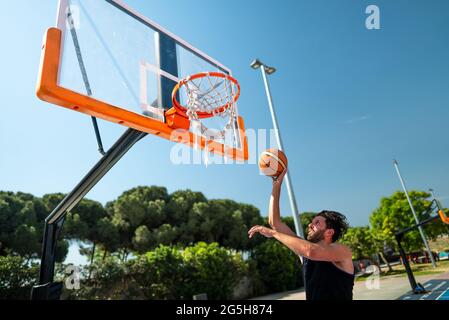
x: 316, y: 236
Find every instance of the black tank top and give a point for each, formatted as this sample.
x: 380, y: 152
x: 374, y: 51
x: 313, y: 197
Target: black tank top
x: 324, y: 281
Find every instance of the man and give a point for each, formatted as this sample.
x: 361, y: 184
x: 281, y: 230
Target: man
x: 327, y: 265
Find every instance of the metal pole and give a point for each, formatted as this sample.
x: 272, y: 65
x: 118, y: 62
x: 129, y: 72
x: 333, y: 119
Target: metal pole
x: 421, y: 231
x: 291, y: 194
x: 416, y: 287
x: 47, y: 289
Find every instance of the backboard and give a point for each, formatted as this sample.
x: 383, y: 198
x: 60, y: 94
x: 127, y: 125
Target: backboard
x: 109, y: 61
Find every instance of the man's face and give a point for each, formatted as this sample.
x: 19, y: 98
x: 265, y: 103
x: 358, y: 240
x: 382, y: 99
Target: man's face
x: 316, y: 229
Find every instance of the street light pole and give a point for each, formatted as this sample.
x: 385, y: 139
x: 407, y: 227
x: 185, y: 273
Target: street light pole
x: 421, y: 231
x: 296, y: 218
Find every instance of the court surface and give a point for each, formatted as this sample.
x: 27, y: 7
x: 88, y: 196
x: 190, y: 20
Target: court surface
x: 390, y: 288
x: 438, y: 289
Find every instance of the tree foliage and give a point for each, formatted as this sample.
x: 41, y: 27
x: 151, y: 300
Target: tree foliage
x: 167, y: 272
x: 394, y: 214
x: 361, y: 242
x: 17, y: 276
x: 305, y: 217
x: 276, y: 267
x: 145, y: 217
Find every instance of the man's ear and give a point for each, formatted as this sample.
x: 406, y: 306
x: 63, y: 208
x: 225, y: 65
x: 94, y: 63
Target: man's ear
x: 329, y: 232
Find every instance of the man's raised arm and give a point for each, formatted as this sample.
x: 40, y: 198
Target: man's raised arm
x: 274, y: 215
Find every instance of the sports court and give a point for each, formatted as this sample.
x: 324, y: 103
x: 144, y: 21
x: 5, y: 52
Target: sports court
x: 393, y: 288
x: 438, y: 289
x: 134, y: 129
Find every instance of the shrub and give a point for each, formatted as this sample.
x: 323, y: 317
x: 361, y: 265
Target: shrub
x: 17, y: 276
x: 159, y: 274
x: 274, y: 268
x: 213, y: 270
x: 165, y: 273
x: 108, y: 280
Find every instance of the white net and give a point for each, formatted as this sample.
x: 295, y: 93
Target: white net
x: 215, y: 96
x: 209, y: 100
x: 210, y: 94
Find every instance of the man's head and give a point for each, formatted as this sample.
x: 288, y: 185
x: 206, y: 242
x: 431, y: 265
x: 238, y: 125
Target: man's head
x: 327, y: 225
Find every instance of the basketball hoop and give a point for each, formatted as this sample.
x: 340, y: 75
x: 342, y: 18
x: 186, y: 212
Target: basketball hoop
x: 208, y: 94
x: 443, y: 217
x: 205, y: 95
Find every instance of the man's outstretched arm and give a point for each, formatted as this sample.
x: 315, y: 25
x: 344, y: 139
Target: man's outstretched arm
x: 310, y: 250
x: 274, y: 215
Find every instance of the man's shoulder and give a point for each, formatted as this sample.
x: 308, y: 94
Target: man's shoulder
x: 342, y: 247
x: 339, y: 245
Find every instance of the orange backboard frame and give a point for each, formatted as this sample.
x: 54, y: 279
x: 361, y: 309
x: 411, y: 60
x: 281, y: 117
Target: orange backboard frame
x: 443, y: 217
x: 49, y: 90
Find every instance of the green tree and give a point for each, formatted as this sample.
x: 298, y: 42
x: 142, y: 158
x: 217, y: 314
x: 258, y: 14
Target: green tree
x: 17, y: 276
x: 85, y: 222
x: 394, y: 214
x: 306, y: 219
x: 275, y: 268
x: 108, y: 234
x: 26, y: 240
x: 82, y: 223
x: 361, y: 242
x: 183, y: 217
x: 21, y: 224
x: 179, y: 205
x: 142, y: 238
x: 167, y: 272
x: 213, y: 270
x: 160, y: 274
x: 165, y: 234
x: 223, y: 221
x: 51, y: 200
x: 380, y: 244
x: 141, y: 206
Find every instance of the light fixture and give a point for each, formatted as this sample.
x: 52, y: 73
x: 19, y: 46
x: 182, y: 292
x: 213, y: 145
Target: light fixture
x: 270, y: 70
x: 256, y: 64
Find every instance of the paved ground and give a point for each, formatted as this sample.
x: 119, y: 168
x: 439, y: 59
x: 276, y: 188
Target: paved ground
x: 389, y: 288
x: 437, y: 289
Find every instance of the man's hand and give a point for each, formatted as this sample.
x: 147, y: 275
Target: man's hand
x: 266, y: 232
x: 277, y: 181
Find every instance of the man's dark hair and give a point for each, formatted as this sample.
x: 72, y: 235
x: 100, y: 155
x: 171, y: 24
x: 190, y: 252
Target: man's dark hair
x: 335, y: 221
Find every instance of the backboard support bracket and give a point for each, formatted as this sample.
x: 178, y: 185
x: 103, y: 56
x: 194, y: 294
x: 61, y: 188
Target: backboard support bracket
x: 46, y: 288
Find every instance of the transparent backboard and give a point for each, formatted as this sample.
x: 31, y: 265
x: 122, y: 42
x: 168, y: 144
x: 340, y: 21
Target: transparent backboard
x: 114, y: 54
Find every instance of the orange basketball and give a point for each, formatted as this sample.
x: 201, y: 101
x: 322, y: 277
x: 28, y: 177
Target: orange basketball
x: 272, y: 162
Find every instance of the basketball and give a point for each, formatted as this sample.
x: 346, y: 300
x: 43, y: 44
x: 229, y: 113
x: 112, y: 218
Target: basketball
x: 272, y: 162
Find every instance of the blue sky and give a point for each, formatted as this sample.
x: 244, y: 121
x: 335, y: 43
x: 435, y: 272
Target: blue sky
x: 348, y: 100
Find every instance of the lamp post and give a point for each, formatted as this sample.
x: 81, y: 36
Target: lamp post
x: 257, y: 64
x: 421, y: 231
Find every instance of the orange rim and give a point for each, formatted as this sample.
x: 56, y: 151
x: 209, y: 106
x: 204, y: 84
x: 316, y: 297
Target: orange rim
x: 201, y: 114
x: 443, y: 217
